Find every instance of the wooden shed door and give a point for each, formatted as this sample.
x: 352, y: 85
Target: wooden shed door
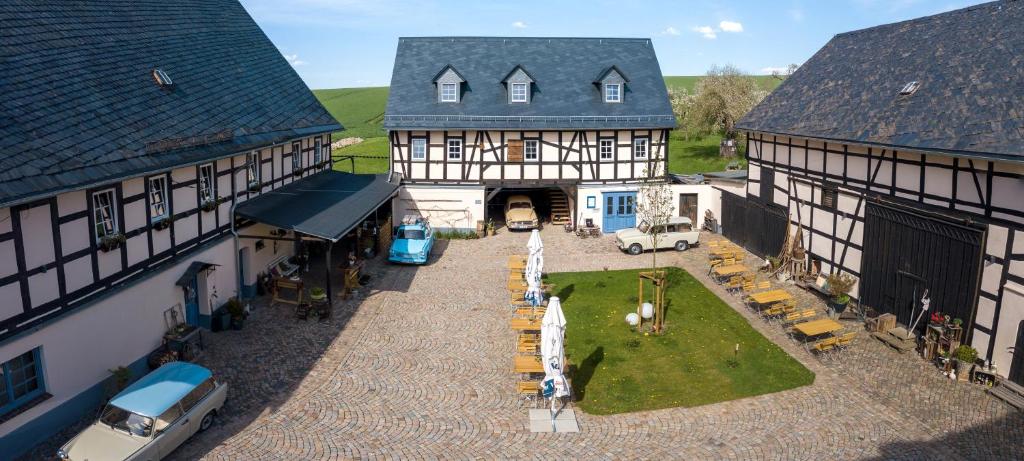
x: 688, y: 207
x: 515, y: 150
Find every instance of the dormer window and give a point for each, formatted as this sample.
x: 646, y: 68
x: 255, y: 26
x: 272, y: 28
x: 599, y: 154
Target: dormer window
x: 449, y: 85
x: 612, y: 92
x: 519, y: 92
x: 449, y: 92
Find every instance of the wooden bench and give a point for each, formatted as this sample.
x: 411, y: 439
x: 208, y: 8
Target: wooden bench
x: 1009, y: 392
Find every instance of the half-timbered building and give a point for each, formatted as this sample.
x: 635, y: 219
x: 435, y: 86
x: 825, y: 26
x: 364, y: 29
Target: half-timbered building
x: 130, y: 130
x: 898, y: 153
x: 574, y: 121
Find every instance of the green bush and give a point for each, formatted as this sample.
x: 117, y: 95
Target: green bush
x: 455, y: 235
x: 966, y: 354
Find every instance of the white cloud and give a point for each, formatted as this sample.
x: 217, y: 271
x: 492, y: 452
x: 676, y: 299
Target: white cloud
x: 519, y: 25
x: 705, y: 31
x: 294, y: 60
x: 730, y: 26
x: 670, y: 31
x: 772, y: 70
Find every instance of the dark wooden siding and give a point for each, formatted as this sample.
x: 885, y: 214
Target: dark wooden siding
x: 757, y: 227
x: 906, y: 252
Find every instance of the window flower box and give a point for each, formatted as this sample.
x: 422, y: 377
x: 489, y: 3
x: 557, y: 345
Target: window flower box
x: 163, y: 223
x: 209, y: 205
x: 111, y: 242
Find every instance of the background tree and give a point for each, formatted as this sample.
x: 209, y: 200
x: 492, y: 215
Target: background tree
x: 655, y: 202
x: 723, y: 96
x: 785, y: 73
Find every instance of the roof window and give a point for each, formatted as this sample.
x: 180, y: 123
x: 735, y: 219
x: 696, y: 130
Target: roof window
x: 162, y: 78
x: 910, y: 88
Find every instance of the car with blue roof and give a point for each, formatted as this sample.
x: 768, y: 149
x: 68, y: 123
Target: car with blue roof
x: 412, y: 241
x: 153, y: 416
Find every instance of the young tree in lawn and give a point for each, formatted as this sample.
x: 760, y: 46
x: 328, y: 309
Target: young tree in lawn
x: 654, y: 207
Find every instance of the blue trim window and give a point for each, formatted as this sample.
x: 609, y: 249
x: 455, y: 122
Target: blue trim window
x: 21, y: 380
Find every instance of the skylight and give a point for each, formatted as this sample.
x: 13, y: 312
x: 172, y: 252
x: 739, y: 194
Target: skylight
x: 162, y: 78
x: 910, y: 88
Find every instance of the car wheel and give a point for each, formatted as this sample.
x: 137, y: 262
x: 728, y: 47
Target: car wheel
x: 635, y: 249
x: 207, y: 421
x: 682, y: 245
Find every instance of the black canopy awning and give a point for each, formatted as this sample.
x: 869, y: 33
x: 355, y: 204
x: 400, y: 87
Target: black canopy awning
x: 190, y: 273
x: 326, y: 205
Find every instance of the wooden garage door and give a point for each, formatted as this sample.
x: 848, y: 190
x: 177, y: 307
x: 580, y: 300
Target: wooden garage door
x: 759, y: 228
x: 907, y: 252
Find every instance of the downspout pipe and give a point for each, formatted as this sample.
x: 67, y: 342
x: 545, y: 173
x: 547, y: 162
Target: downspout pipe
x: 238, y: 259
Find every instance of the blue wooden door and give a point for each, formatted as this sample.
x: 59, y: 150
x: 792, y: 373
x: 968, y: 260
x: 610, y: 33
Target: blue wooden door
x: 619, y: 211
x: 192, y: 303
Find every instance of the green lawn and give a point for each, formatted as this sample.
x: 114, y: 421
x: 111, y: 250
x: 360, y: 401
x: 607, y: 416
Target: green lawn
x: 688, y: 156
x: 691, y: 364
x: 371, y: 147
x: 360, y: 110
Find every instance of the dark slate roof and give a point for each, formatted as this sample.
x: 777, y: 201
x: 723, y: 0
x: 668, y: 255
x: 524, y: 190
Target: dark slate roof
x: 970, y: 64
x: 326, y: 205
x: 564, y: 95
x: 79, y: 104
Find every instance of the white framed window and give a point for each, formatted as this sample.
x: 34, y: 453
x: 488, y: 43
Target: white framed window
x: 449, y: 92
x: 419, y: 149
x: 454, y: 149
x: 296, y: 156
x: 104, y: 213
x: 157, y: 198
x: 207, y: 191
x: 519, y: 92
x: 640, y: 148
x: 531, y: 150
x: 253, y: 169
x: 607, y: 149
x: 318, y: 154
x: 612, y: 92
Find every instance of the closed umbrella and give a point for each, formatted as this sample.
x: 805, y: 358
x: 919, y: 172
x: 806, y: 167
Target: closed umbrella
x: 552, y: 335
x: 534, y: 266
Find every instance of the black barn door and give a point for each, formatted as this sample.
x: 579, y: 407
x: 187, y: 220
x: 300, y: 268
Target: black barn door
x: 759, y: 228
x: 1017, y: 364
x: 906, y: 253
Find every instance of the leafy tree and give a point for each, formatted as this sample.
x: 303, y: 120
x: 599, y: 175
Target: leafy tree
x: 655, y: 203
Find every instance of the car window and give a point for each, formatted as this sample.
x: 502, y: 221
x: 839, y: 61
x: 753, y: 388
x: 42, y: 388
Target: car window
x: 169, y: 417
x: 197, y: 394
x: 124, y: 420
x: 671, y: 228
x: 658, y: 230
x: 685, y: 227
x: 412, y: 234
x: 515, y: 205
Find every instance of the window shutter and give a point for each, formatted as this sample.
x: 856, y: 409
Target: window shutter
x: 515, y: 150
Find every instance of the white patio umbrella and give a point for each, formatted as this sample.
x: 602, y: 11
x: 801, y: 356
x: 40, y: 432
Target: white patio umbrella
x: 534, y: 266
x: 552, y: 352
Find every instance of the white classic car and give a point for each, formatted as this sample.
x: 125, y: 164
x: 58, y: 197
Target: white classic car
x: 151, y: 417
x: 678, y: 233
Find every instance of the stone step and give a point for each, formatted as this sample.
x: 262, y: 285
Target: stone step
x: 894, y: 342
x: 1008, y: 395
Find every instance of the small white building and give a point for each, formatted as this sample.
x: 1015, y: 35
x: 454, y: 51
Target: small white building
x: 124, y: 145
x: 898, y: 153
x: 573, y: 122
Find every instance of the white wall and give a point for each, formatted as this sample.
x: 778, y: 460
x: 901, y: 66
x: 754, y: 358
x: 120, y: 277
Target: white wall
x: 78, y: 349
x: 446, y: 207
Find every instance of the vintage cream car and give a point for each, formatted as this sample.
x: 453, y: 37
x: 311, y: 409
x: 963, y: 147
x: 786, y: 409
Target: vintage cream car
x: 678, y: 234
x: 151, y: 417
x: 519, y: 213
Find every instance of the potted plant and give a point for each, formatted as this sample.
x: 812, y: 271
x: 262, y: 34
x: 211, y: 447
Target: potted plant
x: 209, y: 205
x: 965, y: 357
x: 111, y: 242
x: 936, y: 319
x: 839, y: 286
x: 490, y: 227
x: 957, y: 323
x: 317, y: 294
x: 163, y: 223
x: 234, y: 307
x: 179, y: 331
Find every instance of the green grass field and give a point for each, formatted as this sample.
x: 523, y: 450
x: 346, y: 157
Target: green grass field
x: 361, y: 111
x: 692, y: 363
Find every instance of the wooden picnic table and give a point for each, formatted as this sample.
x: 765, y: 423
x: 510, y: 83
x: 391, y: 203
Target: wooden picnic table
x: 731, y: 269
x: 527, y: 364
x: 719, y: 252
x: 527, y: 324
x: 818, y: 327
x: 771, y: 296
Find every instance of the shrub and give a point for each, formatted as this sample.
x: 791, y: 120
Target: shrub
x: 455, y: 235
x: 839, y: 286
x: 966, y: 354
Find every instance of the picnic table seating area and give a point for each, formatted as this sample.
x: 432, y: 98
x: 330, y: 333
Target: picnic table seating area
x: 526, y: 323
x: 823, y: 336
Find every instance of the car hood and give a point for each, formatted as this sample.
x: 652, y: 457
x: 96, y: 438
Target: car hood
x: 409, y: 246
x: 100, y: 442
x: 628, y: 233
x: 520, y: 214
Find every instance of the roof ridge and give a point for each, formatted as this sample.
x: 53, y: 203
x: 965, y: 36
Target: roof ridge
x: 924, y: 19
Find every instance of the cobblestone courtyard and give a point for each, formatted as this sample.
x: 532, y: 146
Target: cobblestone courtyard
x: 419, y: 366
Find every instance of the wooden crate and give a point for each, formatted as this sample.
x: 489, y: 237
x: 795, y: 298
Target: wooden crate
x: 884, y: 323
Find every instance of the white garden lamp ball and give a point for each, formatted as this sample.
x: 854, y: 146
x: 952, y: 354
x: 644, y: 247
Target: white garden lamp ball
x: 647, y: 310
x: 632, y: 319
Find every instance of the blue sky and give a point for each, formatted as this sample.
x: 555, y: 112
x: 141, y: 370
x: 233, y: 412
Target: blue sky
x: 348, y: 43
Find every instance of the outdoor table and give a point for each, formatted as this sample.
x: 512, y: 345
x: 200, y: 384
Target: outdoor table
x: 733, y: 269
x: 527, y: 364
x: 818, y: 327
x: 772, y: 296
x: 525, y: 324
x: 726, y: 252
